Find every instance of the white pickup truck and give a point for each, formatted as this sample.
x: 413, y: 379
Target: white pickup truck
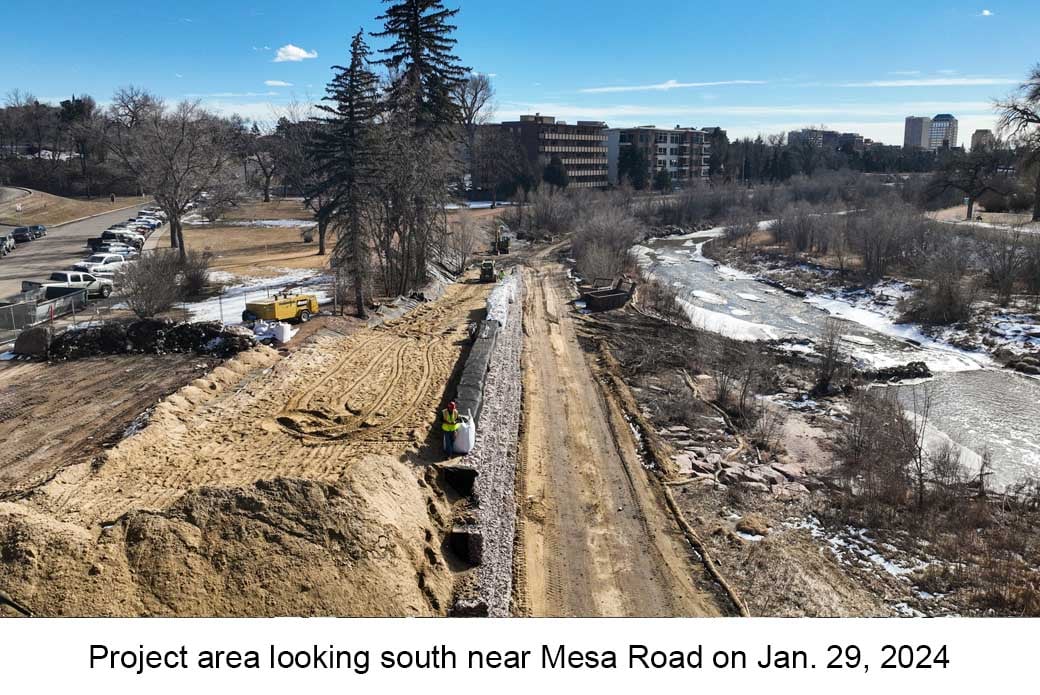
x: 101, y: 263
x: 94, y: 286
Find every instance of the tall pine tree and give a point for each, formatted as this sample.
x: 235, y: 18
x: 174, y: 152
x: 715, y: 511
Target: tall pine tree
x: 345, y: 150
x: 422, y: 67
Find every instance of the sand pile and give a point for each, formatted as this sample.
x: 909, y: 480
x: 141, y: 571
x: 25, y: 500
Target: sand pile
x: 367, y: 545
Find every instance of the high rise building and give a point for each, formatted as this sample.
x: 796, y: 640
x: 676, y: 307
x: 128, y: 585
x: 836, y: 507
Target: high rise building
x: 581, y: 147
x: 682, y: 152
x: 942, y: 134
x: 828, y: 139
x: 916, y: 132
x: 982, y: 139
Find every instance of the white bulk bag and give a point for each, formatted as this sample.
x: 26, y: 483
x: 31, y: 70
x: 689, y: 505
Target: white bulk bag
x: 465, y: 437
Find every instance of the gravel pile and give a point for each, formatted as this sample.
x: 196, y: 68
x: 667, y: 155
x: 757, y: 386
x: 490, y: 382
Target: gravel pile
x: 495, y: 456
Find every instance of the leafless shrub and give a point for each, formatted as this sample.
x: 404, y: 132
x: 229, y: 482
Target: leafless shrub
x: 1004, y: 262
x: 150, y: 283
x: 948, y: 294
x: 663, y: 301
x: 194, y: 274
x: 602, y: 239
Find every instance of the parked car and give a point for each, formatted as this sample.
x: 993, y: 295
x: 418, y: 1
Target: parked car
x: 69, y: 278
x: 22, y: 235
x: 39, y: 230
x: 125, y: 236
x: 101, y: 263
x: 117, y: 248
x: 7, y: 244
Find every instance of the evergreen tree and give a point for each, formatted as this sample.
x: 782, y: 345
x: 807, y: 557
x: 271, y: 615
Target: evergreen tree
x: 662, y: 181
x: 345, y: 150
x: 555, y: 173
x: 423, y: 70
x: 634, y: 165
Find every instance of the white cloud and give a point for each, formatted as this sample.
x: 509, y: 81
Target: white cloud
x: 905, y: 73
x: 935, y: 82
x: 277, y: 83
x: 293, y: 54
x: 665, y: 86
x: 985, y: 13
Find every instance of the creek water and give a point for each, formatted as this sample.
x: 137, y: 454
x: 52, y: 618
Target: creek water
x: 974, y: 404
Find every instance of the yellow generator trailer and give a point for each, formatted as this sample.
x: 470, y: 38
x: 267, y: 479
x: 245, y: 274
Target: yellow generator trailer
x: 282, y: 307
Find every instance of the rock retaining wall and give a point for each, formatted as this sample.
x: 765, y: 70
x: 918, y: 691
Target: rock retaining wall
x: 496, y: 360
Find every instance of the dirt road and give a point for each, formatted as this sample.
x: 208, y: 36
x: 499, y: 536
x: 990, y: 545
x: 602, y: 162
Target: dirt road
x: 62, y: 247
x: 595, y: 539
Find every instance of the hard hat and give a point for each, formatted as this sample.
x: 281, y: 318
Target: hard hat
x: 451, y: 406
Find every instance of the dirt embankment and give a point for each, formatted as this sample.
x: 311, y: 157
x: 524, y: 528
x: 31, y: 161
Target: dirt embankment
x: 595, y: 537
x: 347, y: 524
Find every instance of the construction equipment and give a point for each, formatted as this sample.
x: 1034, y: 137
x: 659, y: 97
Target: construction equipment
x: 501, y: 246
x: 613, y: 297
x: 282, y: 307
x: 487, y: 271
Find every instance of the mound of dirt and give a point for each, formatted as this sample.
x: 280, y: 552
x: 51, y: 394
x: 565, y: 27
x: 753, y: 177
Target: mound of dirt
x: 369, y: 545
x: 153, y: 336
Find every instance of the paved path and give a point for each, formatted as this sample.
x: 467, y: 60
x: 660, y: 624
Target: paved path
x: 62, y: 247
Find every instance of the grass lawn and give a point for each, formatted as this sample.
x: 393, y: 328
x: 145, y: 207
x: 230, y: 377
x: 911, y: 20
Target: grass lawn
x: 50, y: 210
x: 256, y: 252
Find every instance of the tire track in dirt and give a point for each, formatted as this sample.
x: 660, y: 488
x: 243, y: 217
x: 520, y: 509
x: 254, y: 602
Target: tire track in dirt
x: 596, y: 540
x: 230, y: 427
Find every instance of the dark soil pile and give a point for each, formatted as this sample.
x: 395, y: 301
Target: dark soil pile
x: 151, y: 336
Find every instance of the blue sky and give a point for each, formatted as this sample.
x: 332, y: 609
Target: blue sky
x: 749, y: 67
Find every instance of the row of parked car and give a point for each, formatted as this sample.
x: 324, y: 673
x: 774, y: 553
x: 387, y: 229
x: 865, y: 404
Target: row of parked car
x: 20, y: 235
x: 117, y: 246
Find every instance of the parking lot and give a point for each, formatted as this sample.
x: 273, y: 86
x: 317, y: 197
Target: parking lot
x: 62, y: 247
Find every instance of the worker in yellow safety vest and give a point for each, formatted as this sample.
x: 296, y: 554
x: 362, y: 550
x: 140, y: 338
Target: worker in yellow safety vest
x: 449, y: 423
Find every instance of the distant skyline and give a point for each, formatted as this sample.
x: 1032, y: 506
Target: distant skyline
x: 775, y: 66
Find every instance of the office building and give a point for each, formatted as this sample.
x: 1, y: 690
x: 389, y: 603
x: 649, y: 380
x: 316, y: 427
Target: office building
x: 916, y: 131
x: 581, y: 147
x: 983, y: 140
x: 824, y: 139
x: 682, y: 152
x: 942, y: 134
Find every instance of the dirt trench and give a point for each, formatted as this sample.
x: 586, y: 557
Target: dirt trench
x: 595, y: 537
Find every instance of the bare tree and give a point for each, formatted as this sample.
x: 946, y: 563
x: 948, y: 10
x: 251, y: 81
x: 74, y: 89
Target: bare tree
x: 1020, y: 117
x: 910, y: 431
x: 475, y: 98
x: 465, y: 237
x: 176, y: 154
x: 973, y: 174
x: 262, y: 150
x: 829, y: 347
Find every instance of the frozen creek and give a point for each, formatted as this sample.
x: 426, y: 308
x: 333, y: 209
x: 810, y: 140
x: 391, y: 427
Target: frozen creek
x: 975, y: 404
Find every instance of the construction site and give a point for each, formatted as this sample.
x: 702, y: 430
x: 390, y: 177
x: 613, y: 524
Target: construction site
x: 309, y: 479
